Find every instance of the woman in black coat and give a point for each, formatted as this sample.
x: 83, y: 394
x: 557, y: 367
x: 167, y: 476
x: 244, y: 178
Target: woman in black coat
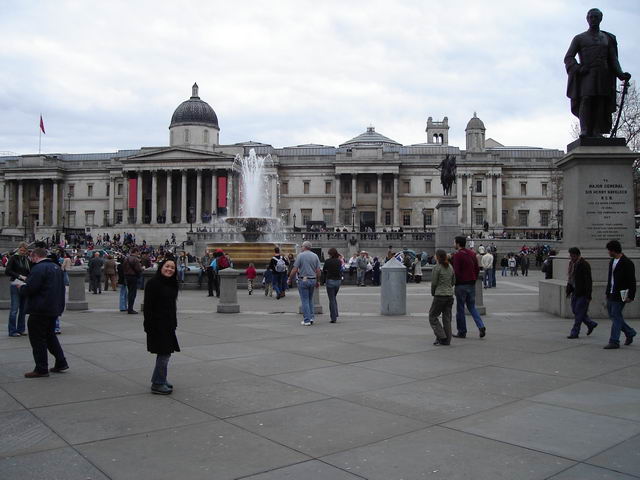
x: 160, y: 322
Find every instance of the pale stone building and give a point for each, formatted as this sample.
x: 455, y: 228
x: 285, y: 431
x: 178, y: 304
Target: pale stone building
x: 370, y: 181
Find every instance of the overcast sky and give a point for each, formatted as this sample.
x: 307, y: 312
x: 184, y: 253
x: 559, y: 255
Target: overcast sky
x: 108, y: 75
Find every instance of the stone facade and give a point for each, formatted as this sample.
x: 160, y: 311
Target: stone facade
x: 368, y: 181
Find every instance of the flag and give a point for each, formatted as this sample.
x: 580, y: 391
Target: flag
x: 42, y: 125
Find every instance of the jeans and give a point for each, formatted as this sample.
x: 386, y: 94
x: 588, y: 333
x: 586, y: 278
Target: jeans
x: 42, y: 338
x: 181, y: 270
x: 493, y: 278
x: 18, y: 304
x: 441, y: 305
x: 123, y: 297
x: 580, y: 307
x: 305, y: 289
x: 466, y: 295
x: 504, y: 271
x: 132, y: 290
x: 159, y: 376
x: 487, y: 278
x: 278, y: 280
x: 332, y: 290
x: 614, y: 309
x: 360, y: 278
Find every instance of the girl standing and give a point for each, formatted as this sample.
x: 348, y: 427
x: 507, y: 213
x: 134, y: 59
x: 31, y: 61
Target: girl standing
x: 160, y: 322
x: 251, y: 274
x: 442, y: 283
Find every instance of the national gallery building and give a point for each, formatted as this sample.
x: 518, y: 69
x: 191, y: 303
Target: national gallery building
x: 367, y: 182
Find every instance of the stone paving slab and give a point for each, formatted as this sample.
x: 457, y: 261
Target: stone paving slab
x: 312, y: 470
x: 589, y: 472
x: 23, y: 433
x: 624, y: 457
x: 275, y: 363
x: 59, y: 464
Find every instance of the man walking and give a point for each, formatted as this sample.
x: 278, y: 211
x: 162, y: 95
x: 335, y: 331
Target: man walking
x: 466, y: 268
x: 44, y: 291
x: 95, y: 273
x: 279, y: 267
x: 307, y: 268
x: 579, y: 285
x: 621, y: 289
x: 18, y: 267
x: 132, y: 273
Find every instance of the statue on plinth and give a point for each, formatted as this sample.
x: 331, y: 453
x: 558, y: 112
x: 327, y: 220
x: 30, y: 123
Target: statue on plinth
x: 447, y: 169
x: 592, y: 82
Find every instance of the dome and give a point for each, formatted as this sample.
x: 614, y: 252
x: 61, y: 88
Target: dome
x: 194, y: 112
x: 475, y: 123
x: 370, y: 137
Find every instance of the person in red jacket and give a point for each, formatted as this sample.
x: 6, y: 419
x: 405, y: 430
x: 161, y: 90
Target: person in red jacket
x: 466, y: 269
x: 251, y: 274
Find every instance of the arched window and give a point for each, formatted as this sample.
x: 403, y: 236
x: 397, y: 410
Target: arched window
x: 205, y: 137
x: 186, y: 135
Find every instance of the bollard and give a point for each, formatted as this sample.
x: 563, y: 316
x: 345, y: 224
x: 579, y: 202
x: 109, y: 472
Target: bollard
x: 228, y: 291
x: 317, y: 308
x: 393, y: 289
x: 77, y: 295
x: 5, y: 294
x: 482, y: 310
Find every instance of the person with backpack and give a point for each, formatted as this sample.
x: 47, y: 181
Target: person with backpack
x: 279, y: 267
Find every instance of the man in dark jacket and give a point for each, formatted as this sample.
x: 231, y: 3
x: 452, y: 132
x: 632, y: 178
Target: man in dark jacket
x: 579, y: 286
x: 466, y: 269
x: 44, y: 291
x: 95, y: 273
x: 18, y: 267
x: 279, y: 267
x: 621, y: 289
x: 132, y: 273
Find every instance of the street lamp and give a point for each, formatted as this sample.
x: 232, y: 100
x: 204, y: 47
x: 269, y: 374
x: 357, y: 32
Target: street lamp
x: 69, y: 195
x: 471, y: 208
x: 353, y: 218
x: 191, y: 212
x: 424, y: 219
x: 294, y: 222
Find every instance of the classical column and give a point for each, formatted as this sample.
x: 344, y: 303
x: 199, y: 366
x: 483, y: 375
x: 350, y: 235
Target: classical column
x: 469, y: 191
x: 274, y: 195
x: 490, y: 198
x: 126, y: 197
x: 499, y: 200
x: 169, y: 202
x: 139, y: 199
x: 41, y: 204
x: 379, y: 219
x: 183, y: 198
x: 214, y: 194
x: 396, y: 202
x: 230, y: 202
x: 112, y: 201
x: 54, y: 203
x: 337, y: 193
x: 20, y: 206
x: 354, y: 189
x: 154, y: 197
x: 7, y: 202
x: 459, y: 189
x: 198, y: 196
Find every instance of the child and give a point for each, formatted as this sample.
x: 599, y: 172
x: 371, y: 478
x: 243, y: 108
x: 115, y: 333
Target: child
x: 267, y: 282
x: 442, y: 283
x: 251, y: 274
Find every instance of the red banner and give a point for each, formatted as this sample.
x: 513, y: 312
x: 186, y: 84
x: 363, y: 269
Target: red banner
x: 133, y: 192
x: 222, y: 192
x: 42, y: 125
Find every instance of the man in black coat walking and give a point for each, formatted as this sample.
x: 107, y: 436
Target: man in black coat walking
x: 44, y: 291
x: 579, y: 286
x: 621, y: 289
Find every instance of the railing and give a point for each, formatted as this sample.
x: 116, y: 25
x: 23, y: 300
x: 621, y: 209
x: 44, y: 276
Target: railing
x: 515, y: 233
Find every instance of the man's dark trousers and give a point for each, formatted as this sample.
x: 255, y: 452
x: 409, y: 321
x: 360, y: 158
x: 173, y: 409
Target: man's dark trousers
x: 42, y: 337
x: 580, y: 307
x: 132, y: 290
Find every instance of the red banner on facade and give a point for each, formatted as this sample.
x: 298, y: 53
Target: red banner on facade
x: 222, y: 192
x: 133, y: 192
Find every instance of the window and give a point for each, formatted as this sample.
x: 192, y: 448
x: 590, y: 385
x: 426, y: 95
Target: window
x: 427, y: 186
x: 284, y: 215
x: 105, y: 218
x: 523, y: 218
x: 387, y: 187
x: 387, y: 217
x: 523, y: 189
x: 327, y: 216
x: 346, y: 217
x: 118, y: 214
x: 544, y: 218
x: 544, y: 190
x: 119, y: 189
x: 108, y: 188
x: 505, y: 216
x: 89, y: 217
x: 72, y: 190
x: 479, y: 216
x: 328, y: 187
x: 284, y: 188
x: 367, y: 187
x: 90, y: 190
x: 306, y: 187
x: 478, y: 186
x: 205, y: 137
x: 406, y: 186
x: 306, y: 215
x: 428, y: 216
x: 186, y: 135
x: 406, y: 218
x: 504, y: 188
x: 72, y: 219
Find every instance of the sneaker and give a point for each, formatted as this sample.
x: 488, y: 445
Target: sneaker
x: 35, y: 374
x: 629, y: 340
x: 306, y: 324
x: 611, y: 346
x: 591, y: 328
x: 483, y: 332
x: 574, y: 336
x: 132, y: 312
x: 58, y: 332
x: 59, y: 369
x: 15, y: 334
x: 160, y: 389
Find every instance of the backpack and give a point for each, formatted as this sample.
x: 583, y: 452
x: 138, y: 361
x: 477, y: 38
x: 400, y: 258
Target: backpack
x: 223, y: 262
x: 281, y: 265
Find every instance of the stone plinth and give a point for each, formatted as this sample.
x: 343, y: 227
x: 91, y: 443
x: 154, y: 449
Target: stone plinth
x: 317, y: 308
x: 5, y: 294
x: 228, y: 291
x: 77, y: 293
x: 393, y: 289
x: 482, y: 310
x: 448, y: 226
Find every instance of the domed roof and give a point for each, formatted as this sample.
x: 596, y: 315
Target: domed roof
x: 370, y: 137
x: 194, y: 112
x: 475, y: 123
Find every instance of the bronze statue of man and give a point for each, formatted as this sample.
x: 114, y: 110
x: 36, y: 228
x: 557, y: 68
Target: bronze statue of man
x: 592, y: 82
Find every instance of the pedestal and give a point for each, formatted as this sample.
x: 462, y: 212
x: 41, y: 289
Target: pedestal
x: 393, y: 288
x: 228, y: 291
x: 77, y: 289
x: 448, y: 227
x: 5, y: 293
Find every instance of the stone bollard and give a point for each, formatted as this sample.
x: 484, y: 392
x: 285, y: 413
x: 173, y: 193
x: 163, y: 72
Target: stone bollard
x: 482, y: 310
x: 228, y: 291
x: 5, y: 294
x: 317, y: 308
x: 393, y: 288
x: 77, y: 294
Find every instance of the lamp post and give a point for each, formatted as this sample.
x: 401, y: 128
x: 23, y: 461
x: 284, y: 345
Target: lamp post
x: 69, y: 195
x: 471, y: 208
x: 353, y: 217
x: 191, y: 213
x: 294, y: 222
x: 424, y: 220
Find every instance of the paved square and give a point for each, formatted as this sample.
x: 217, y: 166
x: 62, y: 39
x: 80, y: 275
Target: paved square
x: 258, y: 396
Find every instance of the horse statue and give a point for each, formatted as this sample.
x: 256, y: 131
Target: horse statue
x: 447, y: 169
